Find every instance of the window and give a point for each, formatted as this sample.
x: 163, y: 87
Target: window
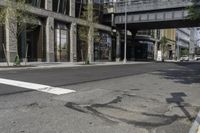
x: 36, y: 3
x: 61, y: 6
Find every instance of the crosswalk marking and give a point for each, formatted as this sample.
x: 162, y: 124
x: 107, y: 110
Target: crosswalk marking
x: 37, y: 87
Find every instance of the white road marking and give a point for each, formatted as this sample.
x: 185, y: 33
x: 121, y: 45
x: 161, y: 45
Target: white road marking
x: 37, y: 87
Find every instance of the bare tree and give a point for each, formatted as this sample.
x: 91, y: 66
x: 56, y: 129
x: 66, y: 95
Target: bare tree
x: 17, y: 13
x: 83, y: 31
x: 164, y: 46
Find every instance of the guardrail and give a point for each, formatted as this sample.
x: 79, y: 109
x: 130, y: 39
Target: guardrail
x: 143, y: 5
x: 133, y: 6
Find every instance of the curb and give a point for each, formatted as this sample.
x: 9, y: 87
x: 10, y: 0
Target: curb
x: 70, y: 66
x: 196, y: 125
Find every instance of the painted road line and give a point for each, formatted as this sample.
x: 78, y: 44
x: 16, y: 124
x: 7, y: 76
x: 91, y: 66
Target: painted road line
x: 196, y: 125
x: 37, y: 87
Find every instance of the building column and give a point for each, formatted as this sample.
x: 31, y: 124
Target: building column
x: 192, y: 44
x: 90, y: 33
x: 177, y: 51
x: 156, y: 50
x: 49, y: 5
x: 91, y: 44
x: 73, y: 42
x: 156, y: 45
x: 72, y: 11
x: 11, y: 40
x: 50, y: 40
x: 118, y: 46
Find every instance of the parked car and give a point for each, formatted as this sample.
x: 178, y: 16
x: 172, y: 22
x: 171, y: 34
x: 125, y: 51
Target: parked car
x: 197, y: 57
x: 184, y: 58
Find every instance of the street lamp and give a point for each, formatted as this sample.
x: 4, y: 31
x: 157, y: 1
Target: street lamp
x: 125, y: 33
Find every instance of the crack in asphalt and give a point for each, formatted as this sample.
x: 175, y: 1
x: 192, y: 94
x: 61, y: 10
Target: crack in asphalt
x: 93, y: 110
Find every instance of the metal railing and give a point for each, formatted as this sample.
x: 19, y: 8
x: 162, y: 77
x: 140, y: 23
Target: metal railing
x: 142, y: 2
x: 150, y: 4
x: 138, y: 5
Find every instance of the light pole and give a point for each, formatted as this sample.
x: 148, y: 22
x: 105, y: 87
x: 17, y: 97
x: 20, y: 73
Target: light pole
x: 125, y: 33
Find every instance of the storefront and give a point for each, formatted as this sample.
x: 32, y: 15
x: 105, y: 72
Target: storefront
x: 31, y: 43
x: 103, y: 48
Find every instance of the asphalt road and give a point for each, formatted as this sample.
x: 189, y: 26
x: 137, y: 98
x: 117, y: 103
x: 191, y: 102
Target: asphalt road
x: 153, y: 97
x: 69, y: 76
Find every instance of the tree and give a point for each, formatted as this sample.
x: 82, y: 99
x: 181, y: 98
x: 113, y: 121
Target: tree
x: 194, y: 11
x: 164, y: 46
x: 89, y: 16
x: 184, y: 52
x: 17, y: 13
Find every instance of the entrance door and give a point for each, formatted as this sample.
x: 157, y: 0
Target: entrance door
x: 61, y: 45
x: 31, y: 44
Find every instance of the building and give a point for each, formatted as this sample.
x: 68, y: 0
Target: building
x: 170, y: 51
x: 183, y: 41
x: 155, y: 36
x: 55, y: 38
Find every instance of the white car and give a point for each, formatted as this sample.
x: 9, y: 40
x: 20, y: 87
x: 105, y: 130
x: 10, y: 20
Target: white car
x: 184, y: 58
x: 197, y: 57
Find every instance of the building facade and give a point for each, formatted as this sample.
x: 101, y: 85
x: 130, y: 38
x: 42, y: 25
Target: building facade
x: 170, y: 51
x: 183, y: 41
x: 55, y: 37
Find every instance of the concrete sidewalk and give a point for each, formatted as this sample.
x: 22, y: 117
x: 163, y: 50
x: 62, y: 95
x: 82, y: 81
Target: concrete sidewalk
x: 45, y: 65
x: 196, y: 125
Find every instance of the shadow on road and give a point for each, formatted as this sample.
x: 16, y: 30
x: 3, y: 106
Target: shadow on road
x: 187, y: 73
x: 177, y: 98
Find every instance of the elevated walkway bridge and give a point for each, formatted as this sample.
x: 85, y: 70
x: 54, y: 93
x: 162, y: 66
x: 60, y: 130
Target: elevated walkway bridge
x: 150, y: 14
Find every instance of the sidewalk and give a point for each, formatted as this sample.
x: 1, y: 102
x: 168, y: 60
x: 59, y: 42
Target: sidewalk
x: 45, y: 65
x: 196, y: 125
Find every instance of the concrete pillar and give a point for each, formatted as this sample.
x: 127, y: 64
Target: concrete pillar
x: 49, y: 5
x: 72, y: 8
x: 156, y: 45
x: 91, y: 44
x: 73, y: 42
x: 192, y: 44
x: 90, y: 32
x: 11, y: 40
x: 178, y: 51
x: 73, y: 33
x: 156, y: 50
x: 118, y: 46
x: 50, y: 40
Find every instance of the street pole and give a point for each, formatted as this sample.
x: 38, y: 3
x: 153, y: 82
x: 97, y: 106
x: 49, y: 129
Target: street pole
x: 125, y: 33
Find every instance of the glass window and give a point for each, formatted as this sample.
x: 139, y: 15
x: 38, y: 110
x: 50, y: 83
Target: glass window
x: 61, y: 6
x: 103, y: 49
x: 61, y: 43
x: 36, y: 3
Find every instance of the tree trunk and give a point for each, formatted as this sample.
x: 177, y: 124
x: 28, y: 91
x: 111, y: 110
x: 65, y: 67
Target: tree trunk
x: 17, y: 59
x: 5, y: 54
x: 26, y: 56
